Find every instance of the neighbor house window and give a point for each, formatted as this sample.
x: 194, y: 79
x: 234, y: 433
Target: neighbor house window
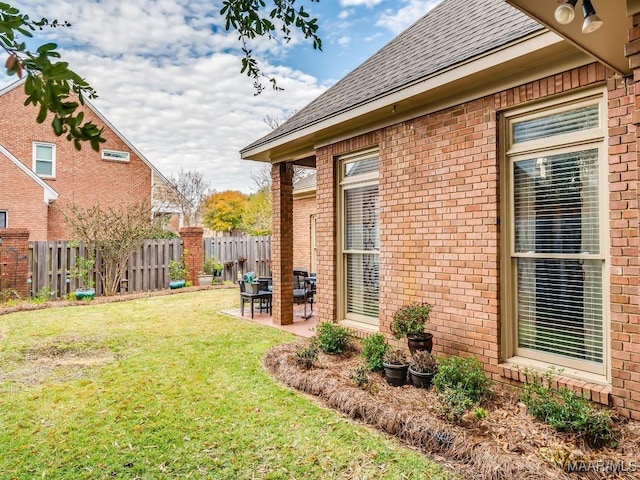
x: 115, y: 155
x: 44, y: 159
x: 3, y: 219
x: 556, y: 248
x: 360, y: 237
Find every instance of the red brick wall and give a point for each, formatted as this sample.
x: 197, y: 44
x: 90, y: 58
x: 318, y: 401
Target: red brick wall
x: 23, y: 199
x: 14, y: 263
x: 440, y: 233
x: 82, y: 177
x: 192, y: 252
x: 303, y: 209
x: 282, y: 243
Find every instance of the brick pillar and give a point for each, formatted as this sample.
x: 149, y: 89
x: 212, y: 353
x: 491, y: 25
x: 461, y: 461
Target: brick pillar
x: 192, y: 252
x: 282, y: 243
x: 14, y: 260
x: 625, y: 302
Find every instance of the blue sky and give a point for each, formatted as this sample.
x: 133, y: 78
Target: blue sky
x: 169, y: 80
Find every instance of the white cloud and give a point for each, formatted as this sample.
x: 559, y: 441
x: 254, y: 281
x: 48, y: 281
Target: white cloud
x: 169, y: 80
x: 398, y: 20
x: 360, y: 3
x: 345, y: 40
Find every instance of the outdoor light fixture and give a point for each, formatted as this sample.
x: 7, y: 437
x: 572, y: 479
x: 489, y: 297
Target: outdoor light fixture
x: 565, y: 13
x: 591, y: 21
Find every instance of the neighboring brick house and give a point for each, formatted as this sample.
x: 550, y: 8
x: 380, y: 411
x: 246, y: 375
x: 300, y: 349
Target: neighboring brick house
x: 487, y: 165
x: 40, y: 171
x: 304, y: 221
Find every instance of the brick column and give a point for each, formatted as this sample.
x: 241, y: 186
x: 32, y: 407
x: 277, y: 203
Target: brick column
x: 282, y: 243
x: 14, y: 260
x: 624, y: 181
x: 192, y: 252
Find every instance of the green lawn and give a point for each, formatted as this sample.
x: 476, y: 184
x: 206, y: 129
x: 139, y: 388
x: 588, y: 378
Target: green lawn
x: 169, y: 387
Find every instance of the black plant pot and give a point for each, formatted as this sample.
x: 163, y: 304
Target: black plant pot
x: 420, y: 341
x: 396, y: 375
x: 419, y: 379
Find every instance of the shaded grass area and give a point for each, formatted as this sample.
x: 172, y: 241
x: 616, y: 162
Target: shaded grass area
x: 167, y: 387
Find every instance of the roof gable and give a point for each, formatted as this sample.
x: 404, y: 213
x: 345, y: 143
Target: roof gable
x: 453, y: 32
x: 49, y: 194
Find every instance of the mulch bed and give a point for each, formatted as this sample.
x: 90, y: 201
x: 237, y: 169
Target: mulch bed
x: 507, y: 444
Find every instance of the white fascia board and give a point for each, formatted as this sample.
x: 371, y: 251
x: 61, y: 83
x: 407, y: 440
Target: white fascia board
x: 49, y: 194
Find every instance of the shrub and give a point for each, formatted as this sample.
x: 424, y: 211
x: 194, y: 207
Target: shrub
x: 360, y: 376
x: 410, y: 319
x: 424, y: 362
x: 566, y: 411
x: 177, y: 270
x: 453, y: 403
x: 395, y: 357
x: 332, y: 338
x: 45, y: 294
x: 464, y: 374
x: 306, y: 356
x: 211, y: 266
x: 373, y: 349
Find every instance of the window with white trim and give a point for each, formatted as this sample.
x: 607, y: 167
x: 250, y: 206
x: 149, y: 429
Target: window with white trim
x: 44, y: 159
x: 556, y: 243
x: 360, y: 237
x: 3, y: 219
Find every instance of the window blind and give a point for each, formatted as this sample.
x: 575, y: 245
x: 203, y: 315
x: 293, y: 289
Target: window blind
x: 362, y: 284
x: 556, y: 124
x: 361, y: 218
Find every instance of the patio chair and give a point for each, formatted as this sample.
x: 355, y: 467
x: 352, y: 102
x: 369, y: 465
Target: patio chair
x: 303, y: 290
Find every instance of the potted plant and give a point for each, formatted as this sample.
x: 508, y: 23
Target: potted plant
x: 395, y: 367
x: 423, y: 368
x: 83, y: 271
x: 177, y: 274
x: 409, y: 321
x: 210, y: 268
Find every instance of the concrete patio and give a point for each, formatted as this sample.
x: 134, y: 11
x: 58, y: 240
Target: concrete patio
x: 301, y: 327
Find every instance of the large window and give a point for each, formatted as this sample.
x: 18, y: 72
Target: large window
x: 44, y: 159
x: 360, y: 237
x: 556, y: 248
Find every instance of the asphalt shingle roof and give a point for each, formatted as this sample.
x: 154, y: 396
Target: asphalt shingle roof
x: 453, y: 32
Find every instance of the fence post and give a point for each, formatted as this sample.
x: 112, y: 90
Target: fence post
x: 193, y: 255
x: 14, y: 259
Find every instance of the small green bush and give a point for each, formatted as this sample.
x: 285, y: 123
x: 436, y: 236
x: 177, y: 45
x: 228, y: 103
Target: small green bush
x: 332, y: 338
x: 306, y: 356
x: 373, y: 349
x: 453, y: 404
x: 360, y: 376
x: 464, y: 374
x: 566, y: 411
x: 45, y: 294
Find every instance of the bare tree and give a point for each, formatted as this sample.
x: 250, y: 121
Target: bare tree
x: 188, y: 189
x: 111, y: 235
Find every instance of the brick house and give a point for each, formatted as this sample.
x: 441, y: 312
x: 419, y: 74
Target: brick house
x: 488, y: 165
x: 39, y: 171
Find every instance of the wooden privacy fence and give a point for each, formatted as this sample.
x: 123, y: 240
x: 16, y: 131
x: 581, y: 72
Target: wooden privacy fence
x: 147, y: 269
x: 239, y: 255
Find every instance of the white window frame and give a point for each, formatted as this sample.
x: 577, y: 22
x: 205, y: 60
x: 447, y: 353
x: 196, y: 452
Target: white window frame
x: 115, y: 156
x: 5, y: 213
x: 372, y: 178
x: 594, y: 138
x: 53, y: 158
